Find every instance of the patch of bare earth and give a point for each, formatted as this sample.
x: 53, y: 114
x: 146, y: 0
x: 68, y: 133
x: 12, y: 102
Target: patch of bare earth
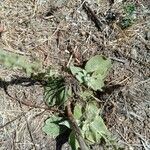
x: 57, y: 32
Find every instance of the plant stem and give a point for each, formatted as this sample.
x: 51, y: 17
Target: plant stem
x: 76, y: 129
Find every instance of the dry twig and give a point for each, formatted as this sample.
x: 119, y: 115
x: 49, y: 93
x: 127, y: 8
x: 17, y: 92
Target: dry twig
x: 92, y: 16
x: 6, y: 124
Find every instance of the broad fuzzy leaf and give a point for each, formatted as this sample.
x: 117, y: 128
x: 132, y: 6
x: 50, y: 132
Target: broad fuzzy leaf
x: 75, y: 70
x: 99, y: 129
x: 93, y: 128
x: 95, y: 83
x: 89, y: 136
x: 98, y: 62
x: 78, y: 73
x: 86, y: 95
x: 91, y: 111
x: 95, y: 72
x: 52, y: 126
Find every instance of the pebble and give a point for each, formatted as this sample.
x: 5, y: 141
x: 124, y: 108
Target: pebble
x: 134, y: 53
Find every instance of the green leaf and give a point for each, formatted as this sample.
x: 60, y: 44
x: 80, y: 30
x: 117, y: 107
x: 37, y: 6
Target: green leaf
x: 97, y: 67
x: 86, y: 95
x: 93, y: 128
x: 95, y: 83
x: 73, y: 142
x: 80, y: 77
x: 91, y: 111
x: 130, y: 8
x: 85, y: 126
x: 65, y: 123
x: 90, y: 136
x: 98, y: 62
x: 98, y: 127
x: 100, y: 74
x: 77, y: 111
x: 78, y: 73
x: 55, y: 91
x: 15, y: 61
x: 96, y: 70
x: 85, y: 131
x: 52, y: 126
x: 126, y: 22
x: 75, y: 70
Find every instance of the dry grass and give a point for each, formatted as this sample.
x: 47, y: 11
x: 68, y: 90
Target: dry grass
x: 68, y: 34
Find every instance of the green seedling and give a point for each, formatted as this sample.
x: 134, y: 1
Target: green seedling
x: 128, y: 19
x: 57, y: 93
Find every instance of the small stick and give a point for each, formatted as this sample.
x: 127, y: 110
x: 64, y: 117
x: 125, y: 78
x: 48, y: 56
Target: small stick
x: 28, y: 126
x: 119, y: 60
x: 33, y: 105
x: 92, y: 16
x: 6, y: 124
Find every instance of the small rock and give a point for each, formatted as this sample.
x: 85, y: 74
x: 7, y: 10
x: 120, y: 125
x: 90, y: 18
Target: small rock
x: 134, y: 53
x: 8, y: 78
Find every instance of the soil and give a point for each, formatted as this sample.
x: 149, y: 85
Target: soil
x: 57, y: 32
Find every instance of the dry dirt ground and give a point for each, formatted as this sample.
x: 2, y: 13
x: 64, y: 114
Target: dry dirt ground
x: 58, y: 31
